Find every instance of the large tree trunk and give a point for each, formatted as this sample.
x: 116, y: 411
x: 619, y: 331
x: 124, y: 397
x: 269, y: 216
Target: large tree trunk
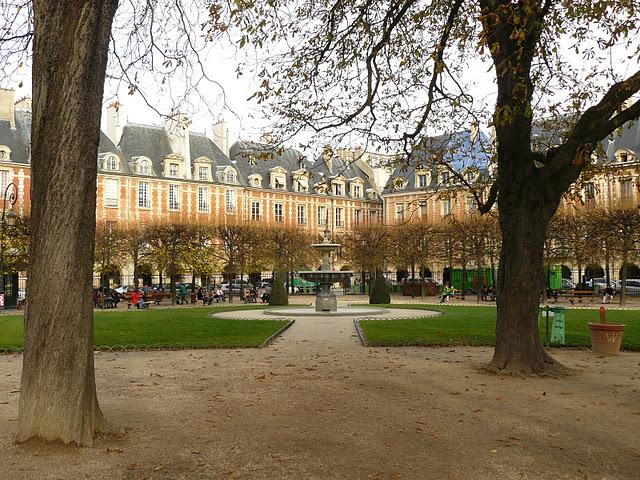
x: 524, y: 219
x: 58, y: 398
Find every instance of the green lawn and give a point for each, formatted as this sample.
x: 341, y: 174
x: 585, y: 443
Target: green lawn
x: 161, y: 328
x: 476, y: 326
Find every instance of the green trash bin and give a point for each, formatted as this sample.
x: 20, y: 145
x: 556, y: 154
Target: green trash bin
x: 557, y: 325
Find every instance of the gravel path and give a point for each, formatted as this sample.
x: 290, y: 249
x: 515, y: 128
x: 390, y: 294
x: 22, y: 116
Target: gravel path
x: 317, y: 405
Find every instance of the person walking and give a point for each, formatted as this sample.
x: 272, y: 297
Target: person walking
x: 608, y: 294
x: 183, y: 293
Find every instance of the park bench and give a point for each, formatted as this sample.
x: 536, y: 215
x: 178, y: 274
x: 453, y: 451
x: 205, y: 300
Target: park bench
x: 578, y: 295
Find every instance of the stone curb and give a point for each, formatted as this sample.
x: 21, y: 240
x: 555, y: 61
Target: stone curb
x: 280, y: 331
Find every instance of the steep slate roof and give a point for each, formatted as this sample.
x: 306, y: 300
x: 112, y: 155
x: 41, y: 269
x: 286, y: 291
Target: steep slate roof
x: 17, y: 139
x: 267, y: 157
x: 456, y: 150
x: 349, y: 170
x: 202, y: 146
x: 627, y: 137
x: 145, y: 141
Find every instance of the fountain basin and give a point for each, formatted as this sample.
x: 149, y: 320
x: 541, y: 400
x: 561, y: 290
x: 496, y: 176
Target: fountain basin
x: 293, y: 312
x: 324, y: 276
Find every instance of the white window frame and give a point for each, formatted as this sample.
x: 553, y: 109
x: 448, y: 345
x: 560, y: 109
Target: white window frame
x: 256, y: 208
x: 626, y: 193
x: 174, y: 197
x: 399, y: 215
x: 278, y: 215
x: 357, y: 217
x: 322, y: 215
x: 230, y: 176
x: 173, y: 170
x: 144, y: 167
x: 111, y: 164
x: 144, y: 195
x: 357, y: 190
x: 421, y: 177
x: 301, y: 214
x: 4, y: 180
x: 446, y: 207
x: 203, y: 199
x: 339, y: 217
x: 111, y: 201
x: 203, y: 172
x: 338, y: 188
x: 230, y: 201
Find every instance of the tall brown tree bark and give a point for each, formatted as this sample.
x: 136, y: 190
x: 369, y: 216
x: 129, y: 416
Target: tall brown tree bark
x: 58, y: 398
x: 530, y: 184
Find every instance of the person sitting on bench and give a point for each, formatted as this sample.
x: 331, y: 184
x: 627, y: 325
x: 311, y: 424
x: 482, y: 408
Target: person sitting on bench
x: 447, y: 292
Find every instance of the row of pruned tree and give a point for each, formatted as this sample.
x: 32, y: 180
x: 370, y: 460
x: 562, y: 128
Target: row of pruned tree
x: 609, y: 235
x: 203, y: 250
x: 471, y: 242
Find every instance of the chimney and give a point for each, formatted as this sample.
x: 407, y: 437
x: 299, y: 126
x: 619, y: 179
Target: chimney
x: 221, y: 135
x: 115, y: 121
x: 327, y: 156
x: 7, y: 100
x: 177, y: 128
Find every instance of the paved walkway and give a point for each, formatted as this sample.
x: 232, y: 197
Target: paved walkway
x: 316, y: 405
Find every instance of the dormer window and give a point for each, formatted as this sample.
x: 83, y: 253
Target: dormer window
x: 145, y: 167
x: 255, y: 180
x: 301, y: 181
x: 5, y: 154
x: 624, y: 156
x: 111, y: 163
x: 141, y: 165
x: 356, y: 188
x: 230, y: 176
x: 445, y: 176
x: 337, y: 189
x: 173, y: 166
x: 202, y: 169
x: 398, y: 183
x: 278, y: 178
x: 422, y: 180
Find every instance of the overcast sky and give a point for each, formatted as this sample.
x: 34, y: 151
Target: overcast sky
x: 245, y: 118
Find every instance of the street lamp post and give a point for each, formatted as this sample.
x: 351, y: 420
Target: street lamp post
x: 8, y: 220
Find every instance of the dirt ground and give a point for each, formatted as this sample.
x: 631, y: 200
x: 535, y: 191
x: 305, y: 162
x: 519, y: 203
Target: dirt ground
x: 318, y: 405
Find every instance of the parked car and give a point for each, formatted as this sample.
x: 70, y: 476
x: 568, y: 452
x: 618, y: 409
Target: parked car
x: 265, y: 285
x: 235, y: 286
x: 601, y: 284
x: 567, y: 285
x: 633, y: 286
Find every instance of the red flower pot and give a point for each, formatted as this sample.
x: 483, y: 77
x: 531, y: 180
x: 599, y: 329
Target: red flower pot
x: 606, y: 337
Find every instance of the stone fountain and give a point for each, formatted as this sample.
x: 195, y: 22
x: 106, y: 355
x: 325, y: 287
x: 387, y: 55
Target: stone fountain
x: 326, y: 302
x: 325, y: 299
